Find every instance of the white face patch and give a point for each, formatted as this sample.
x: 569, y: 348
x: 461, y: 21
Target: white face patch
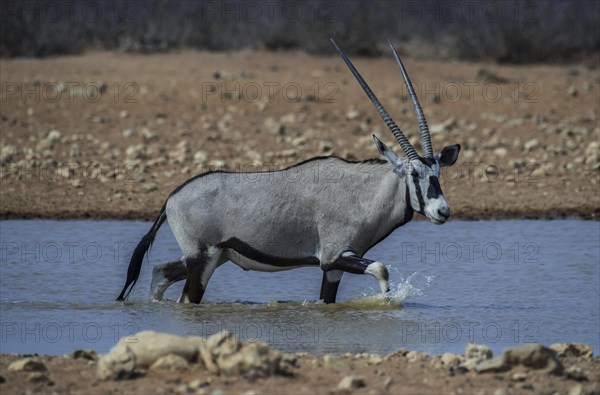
x: 426, y: 196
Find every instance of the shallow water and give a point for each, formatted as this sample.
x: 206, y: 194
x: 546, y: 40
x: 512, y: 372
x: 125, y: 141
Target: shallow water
x: 502, y: 283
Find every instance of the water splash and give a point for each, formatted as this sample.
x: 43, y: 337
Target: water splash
x: 415, y: 284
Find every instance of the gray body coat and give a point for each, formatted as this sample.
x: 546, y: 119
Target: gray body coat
x: 325, y: 212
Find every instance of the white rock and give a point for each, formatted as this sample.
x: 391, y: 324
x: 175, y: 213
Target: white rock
x: 500, y: 152
x: 118, y: 364
x: 7, y: 153
x: 450, y: 359
x: 531, y: 145
x: 351, y: 382
x: 27, y: 365
x: 170, y: 362
x: 352, y: 114
x: 573, y: 350
x: 224, y: 354
x: 477, y: 351
x: 149, y: 135
x: 148, y: 346
x: 128, y: 133
x: 54, y: 136
x: 325, y: 145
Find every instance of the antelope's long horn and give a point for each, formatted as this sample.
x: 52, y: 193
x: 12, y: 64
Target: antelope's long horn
x: 404, y: 143
x: 425, y: 137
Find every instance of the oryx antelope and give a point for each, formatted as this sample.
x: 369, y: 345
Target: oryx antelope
x: 325, y: 212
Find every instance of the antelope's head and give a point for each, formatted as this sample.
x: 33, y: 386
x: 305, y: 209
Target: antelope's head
x: 420, y: 172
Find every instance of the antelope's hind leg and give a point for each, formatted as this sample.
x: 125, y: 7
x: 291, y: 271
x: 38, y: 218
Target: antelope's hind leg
x: 165, y: 275
x: 199, y: 270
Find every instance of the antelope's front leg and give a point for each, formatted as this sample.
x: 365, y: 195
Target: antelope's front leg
x: 351, y: 263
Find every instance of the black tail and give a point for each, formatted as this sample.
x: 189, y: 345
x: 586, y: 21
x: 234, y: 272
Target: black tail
x: 135, y: 265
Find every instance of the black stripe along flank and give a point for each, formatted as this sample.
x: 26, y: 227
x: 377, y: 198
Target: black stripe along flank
x: 251, y: 253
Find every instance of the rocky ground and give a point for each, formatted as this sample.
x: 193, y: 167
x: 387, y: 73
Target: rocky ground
x: 109, y: 135
x: 151, y: 362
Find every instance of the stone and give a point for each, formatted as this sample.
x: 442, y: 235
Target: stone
x: 325, y: 145
x: 351, y: 382
x: 352, y: 114
x: 478, y: 352
x: 225, y: 123
x: 74, y: 152
x: 334, y: 362
x: 38, y: 378
x: 118, y: 364
x: 288, y: 363
x: 170, y: 363
x: 129, y: 133
x: 531, y: 145
x: 88, y: 354
x: 445, y: 126
x: 136, y: 151
x: 200, y: 156
x: 450, y: 359
x: 54, y: 136
x: 500, y: 152
x: 474, y: 354
x: 76, y: 183
x: 149, y: 135
x: 149, y: 186
x: 375, y: 360
x: 274, y: 127
x: 7, y: 153
x: 576, y: 390
x: 148, y: 346
x: 572, y: 91
x: 532, y: 356
x: 414, y: 356
x: 576, y: 373
x: 299, y: 141
x: 223, y: 354
x: 572, y: 350
x: 27, y: 365
x: 519, y: 376
x: 289, y: 118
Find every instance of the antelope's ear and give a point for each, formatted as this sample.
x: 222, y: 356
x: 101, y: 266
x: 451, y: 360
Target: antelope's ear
x: 449, y: 155
x: 387, y: 153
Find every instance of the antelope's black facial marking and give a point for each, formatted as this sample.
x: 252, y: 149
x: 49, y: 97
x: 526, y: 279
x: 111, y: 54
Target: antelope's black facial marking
x: 434, y: 189
x: 417, y: 184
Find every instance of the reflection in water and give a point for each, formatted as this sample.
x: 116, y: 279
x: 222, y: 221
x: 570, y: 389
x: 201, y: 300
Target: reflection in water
x: 498, y: 282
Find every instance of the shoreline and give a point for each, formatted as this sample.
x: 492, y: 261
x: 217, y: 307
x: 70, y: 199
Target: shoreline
x: 583, y: 213
x: 227, y: 366
x: 530, y: 153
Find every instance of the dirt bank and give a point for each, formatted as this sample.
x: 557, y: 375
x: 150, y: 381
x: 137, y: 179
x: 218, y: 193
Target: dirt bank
x: 108, y: 135
x: 398, y: 373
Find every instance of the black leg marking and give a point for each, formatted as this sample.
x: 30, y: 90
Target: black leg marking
x: 351, y: 264
x: 329, y: 285
x: 199, y: 270
x: 357, y: 265
x: 163, y: 276
x: 193, y: 286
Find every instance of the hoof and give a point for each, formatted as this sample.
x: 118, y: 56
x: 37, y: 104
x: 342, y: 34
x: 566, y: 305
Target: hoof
x: 380, y: 272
